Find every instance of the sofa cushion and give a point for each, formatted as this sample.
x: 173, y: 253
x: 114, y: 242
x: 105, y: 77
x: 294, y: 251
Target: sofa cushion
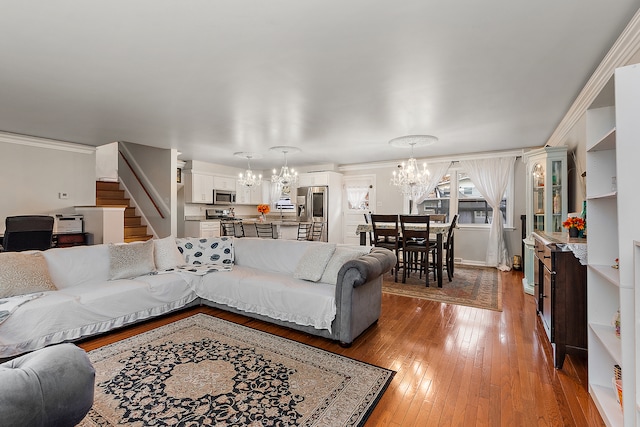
x: 313, y: 262
x: 23, y: 273
x: 214, y: 250
x: 131, y: 260
x: 166, y: 254
x: 341, y: 255
x: 276, y: 255
x: 78, y: 265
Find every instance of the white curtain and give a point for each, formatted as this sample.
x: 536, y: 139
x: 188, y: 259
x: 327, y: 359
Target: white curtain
x: 275, y: 193
x: 356, y: 196
x: 491, y: 177
x: 436, y: 172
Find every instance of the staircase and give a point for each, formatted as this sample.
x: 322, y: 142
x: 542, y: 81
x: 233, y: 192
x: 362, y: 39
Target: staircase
x: 110, y: 194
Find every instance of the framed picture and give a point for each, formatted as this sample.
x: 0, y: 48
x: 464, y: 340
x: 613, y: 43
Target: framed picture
x: 179, y: 176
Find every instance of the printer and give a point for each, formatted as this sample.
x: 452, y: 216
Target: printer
x: 68, y: 223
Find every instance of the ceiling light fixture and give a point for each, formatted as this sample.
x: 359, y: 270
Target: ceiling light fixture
x: 287, y: 176
x: 249, y: 179
x: 410, y: 179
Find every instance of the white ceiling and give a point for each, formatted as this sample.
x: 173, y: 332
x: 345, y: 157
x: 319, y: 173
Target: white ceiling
x: 337, y: 79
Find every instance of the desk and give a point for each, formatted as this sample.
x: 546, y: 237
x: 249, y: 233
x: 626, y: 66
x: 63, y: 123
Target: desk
x: 437, y: 228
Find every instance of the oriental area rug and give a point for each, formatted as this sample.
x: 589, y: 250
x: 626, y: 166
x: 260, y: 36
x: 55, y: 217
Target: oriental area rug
x: 205, y: 371
x: 479, y: 287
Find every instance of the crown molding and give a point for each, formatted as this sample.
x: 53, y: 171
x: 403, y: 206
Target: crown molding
x: 451, y: 158
x: 32, y: 141
x: 620, y: 54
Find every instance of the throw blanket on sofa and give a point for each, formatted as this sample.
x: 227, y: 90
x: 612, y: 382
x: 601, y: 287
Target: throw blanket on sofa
x: 9, y: 305
x: 197, y: 270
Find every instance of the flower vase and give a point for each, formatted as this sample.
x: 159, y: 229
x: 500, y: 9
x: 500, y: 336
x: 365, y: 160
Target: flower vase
x: 583, y: 215
x: 573, y: 232
x: 262, y: 218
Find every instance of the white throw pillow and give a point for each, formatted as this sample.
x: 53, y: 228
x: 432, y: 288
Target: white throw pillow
x: 166, y: 253
x: 339, y: 257
x: 131, y: 260
x: 23, y: 273
x: 213, y: 250
x: 313, y: 262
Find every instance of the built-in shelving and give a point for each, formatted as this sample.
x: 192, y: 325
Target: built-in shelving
x: 613, y: 233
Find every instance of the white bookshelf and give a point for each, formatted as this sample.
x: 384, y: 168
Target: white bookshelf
x: 613, y: 132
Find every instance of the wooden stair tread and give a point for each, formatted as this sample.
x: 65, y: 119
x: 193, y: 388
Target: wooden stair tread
x: 109, y: 194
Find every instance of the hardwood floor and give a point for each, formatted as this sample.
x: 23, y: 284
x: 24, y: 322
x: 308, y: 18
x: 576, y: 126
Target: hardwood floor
x: 456, y: 366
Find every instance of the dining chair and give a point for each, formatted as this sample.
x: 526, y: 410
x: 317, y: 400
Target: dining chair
x: 386, y: 234
x: 416, y: 246
x: 304, y: 231
x: 367, y: 220
x: 448, y: 253
x: 437, y: 217
x: 28, y: 232
x: 265, y: 231
x: 232, y: 228
x: 316, y: 231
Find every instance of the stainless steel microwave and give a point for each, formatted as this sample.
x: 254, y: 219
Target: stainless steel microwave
x: 224, y: 197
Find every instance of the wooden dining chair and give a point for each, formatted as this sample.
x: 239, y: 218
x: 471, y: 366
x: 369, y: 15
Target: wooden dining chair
x: 386, y: 234
x: 367, y: 218
x: 265, y: 231
x: 416, y: 246
x: 448, y: 253
x: 437, y: 217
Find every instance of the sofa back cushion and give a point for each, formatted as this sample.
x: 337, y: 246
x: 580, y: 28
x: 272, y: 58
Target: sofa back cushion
x: 130, y: 260
x: 202, y: 251
x: 78, y: 265
x: 23, y: 273
x: 275, y: 255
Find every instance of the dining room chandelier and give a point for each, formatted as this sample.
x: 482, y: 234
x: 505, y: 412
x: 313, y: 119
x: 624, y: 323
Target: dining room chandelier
x: 412, y: 180
x: 286, y: 177
x: 248, y: 178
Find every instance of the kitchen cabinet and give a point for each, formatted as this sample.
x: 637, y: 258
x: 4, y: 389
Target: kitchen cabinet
x: 202, y: 229
x: 224, y: 183
x: 198, y: 187
x: 561, y: 293
x: 249, y: 195
x: 313, y: 179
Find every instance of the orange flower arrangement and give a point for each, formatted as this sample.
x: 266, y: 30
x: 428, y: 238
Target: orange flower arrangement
x: 264, y: 209
x: 574, y: 222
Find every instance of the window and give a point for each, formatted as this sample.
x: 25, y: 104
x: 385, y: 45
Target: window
x: 438, y: 201
x: 472, y: 207
x: 467, y: 202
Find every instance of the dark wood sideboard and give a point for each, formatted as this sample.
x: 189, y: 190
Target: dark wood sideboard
x: 560, y: 289
x: 65, y: 240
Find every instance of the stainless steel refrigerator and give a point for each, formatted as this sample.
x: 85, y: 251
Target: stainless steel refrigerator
x: 313, y: 206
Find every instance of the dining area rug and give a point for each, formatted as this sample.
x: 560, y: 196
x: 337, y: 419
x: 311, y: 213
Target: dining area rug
x: 479, y: 287
x: 206, y: 371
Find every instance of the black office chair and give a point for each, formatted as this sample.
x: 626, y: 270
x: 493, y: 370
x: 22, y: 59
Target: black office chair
x: 28, y: 232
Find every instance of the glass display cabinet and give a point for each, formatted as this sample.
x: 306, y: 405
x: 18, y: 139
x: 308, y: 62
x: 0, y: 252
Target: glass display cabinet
x: 547, y: 205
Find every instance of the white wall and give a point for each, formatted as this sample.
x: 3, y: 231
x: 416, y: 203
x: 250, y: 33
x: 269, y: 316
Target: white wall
x: 156, y: 169
x: 33, y: 171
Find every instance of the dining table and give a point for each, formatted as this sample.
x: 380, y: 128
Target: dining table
x: 436, y: 229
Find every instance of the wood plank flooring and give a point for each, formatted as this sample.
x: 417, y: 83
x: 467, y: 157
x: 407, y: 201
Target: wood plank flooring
x: 456, y: 366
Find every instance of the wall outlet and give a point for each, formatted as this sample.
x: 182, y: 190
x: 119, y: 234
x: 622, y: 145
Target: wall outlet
x: 63, y: 195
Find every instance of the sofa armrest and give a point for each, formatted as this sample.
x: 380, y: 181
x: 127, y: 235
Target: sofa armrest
x: 361, y: 270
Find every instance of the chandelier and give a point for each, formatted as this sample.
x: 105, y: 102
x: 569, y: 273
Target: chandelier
x: 286, y: 177
x: 249, y: 179
x: 412, y: 180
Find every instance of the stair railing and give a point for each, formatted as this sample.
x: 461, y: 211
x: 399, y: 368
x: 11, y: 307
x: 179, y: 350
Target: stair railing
x: 144, y: 188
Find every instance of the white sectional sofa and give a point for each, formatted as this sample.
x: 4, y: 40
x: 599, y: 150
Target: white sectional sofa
x: 320, y: 288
